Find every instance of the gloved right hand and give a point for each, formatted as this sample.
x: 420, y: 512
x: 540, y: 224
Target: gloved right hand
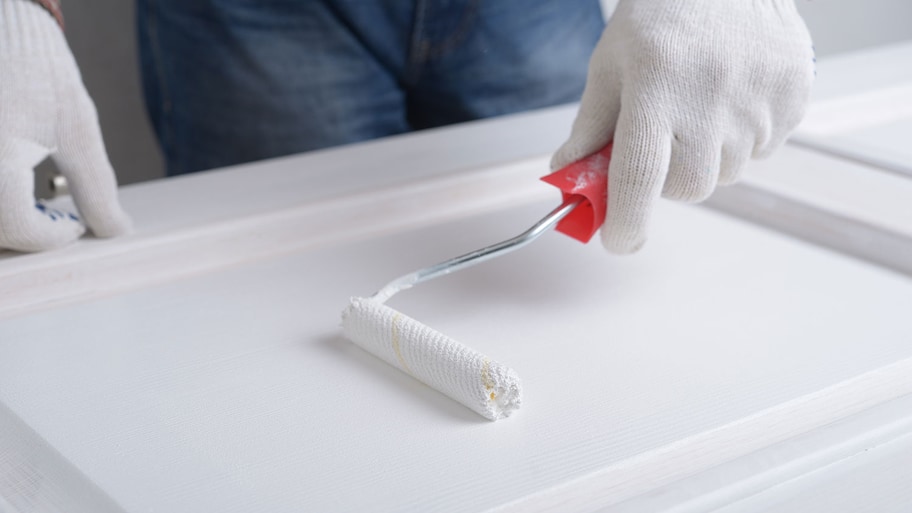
x: 688, y: 90
x: 46, y: 110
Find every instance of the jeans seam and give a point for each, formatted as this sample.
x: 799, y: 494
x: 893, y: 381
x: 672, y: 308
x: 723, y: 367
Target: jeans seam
x: 418, y: 46
x: 423, y: 50
x: 469, y: 14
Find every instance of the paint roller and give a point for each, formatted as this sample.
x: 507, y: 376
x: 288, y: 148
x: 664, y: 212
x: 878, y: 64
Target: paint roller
x: 483, y: 385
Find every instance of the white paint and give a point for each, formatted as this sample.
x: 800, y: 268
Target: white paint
x: 190, y: 224
x: 866, y: 109
x: 645, y: 472
x: 94, y: 269
x: 855, y: 209
x: 790, y: 461
x: 881, y: 472
x: 860, y: 108
x: 234, y: 390
x: 836, y: 203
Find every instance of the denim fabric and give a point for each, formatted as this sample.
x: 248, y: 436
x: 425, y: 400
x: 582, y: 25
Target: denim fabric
x: 230, y: 81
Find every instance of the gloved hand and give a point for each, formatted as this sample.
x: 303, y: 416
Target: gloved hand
x: 688, y: 90
x: 45, y: 109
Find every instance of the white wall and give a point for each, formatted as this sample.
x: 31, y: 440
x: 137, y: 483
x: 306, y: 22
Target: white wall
x: 102, y: 35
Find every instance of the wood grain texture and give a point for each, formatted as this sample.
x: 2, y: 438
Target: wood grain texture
x: 250, y: 211
x: 854, y: 209
x: 100, y: 268
x: 796, y: 460
x: 838, y: 204
x: 35, y: 477
x: 881, y: 471
x: 233, y: 390
x: 861, y: 108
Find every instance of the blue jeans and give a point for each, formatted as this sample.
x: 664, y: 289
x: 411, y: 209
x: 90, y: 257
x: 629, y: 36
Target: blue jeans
x: 231, y: 81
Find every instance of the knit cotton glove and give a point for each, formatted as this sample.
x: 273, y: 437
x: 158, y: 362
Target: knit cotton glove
x: 45, y: 109
x: 689, y: 90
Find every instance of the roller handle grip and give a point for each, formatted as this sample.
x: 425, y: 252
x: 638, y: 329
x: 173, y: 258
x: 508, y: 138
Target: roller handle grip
x: 586, y: 178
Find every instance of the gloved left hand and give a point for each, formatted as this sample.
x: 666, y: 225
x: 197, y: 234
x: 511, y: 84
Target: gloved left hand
x: 688, y: 90
x: 45, y: 109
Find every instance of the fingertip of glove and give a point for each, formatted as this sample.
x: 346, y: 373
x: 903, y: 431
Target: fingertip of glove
x: 559, y: 159
x: 621, y: 244
x: 112, y: 227
x: 570, y: 152
x: 581, y: 144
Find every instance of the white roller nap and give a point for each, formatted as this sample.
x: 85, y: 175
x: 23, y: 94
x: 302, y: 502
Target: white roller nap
x: 485, y: 386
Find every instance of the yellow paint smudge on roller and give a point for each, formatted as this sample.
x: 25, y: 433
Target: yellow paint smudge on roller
x: 486, y: 378
x: 394, y: 336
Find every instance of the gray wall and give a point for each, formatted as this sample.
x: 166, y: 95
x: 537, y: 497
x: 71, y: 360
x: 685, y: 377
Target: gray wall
x: 843, y: 25
x: 102, y: 36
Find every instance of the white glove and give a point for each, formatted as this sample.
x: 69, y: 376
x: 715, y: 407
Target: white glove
x: 45, y: 109
x: 688, y: 90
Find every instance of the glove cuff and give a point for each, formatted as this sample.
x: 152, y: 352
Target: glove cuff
x: 27, y: 29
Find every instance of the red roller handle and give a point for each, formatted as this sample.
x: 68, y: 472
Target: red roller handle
x: 587, y: 178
